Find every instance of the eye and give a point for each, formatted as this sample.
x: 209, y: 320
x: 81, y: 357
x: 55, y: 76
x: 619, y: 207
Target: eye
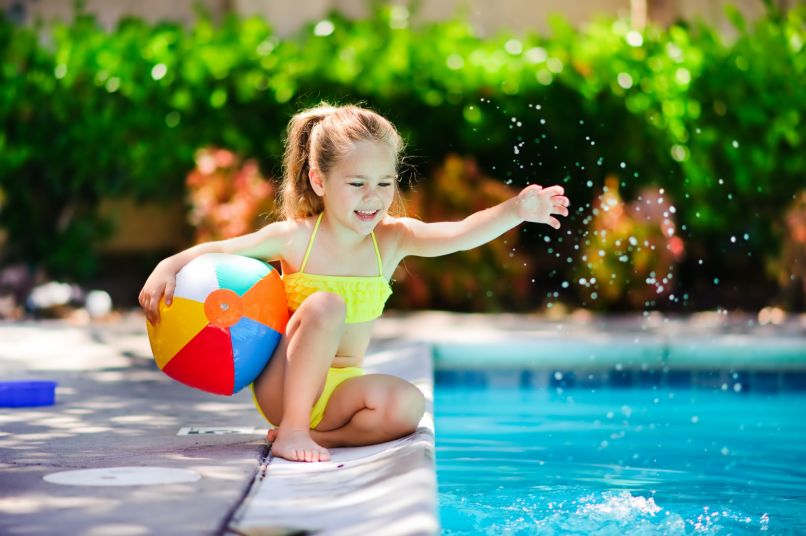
x: 384, y: 184
x: 356, y: 184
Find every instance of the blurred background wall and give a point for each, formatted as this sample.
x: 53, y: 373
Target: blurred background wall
x: 486, y: 17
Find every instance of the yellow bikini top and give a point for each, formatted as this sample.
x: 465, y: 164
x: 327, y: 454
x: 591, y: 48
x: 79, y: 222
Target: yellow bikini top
x: 365, y: 296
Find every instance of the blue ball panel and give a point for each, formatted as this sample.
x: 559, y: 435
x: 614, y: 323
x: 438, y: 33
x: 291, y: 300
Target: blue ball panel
x: 239, y: 274
x: 252, y: 346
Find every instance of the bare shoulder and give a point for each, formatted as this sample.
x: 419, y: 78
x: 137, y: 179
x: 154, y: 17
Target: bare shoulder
x: 280, y: 230
x: 391, y: 229
x: 400, y: 229
x: 298, y: 227
x: 274, y: 241
x: 298, y: 232
x: 392, y: 232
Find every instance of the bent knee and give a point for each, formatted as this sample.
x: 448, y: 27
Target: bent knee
x: 324, y: 308
x: 405, y: 407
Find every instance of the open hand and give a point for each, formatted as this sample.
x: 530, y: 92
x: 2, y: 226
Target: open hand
x: 161, y: 282
x: 537, y: 204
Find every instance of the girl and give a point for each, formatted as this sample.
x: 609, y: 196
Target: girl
x: 338, y: 247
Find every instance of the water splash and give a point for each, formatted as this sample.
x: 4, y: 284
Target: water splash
x: 602, y: 513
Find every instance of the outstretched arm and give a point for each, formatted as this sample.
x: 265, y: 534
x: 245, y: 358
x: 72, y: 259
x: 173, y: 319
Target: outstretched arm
x: 267, y: 243
x: 532, y: 204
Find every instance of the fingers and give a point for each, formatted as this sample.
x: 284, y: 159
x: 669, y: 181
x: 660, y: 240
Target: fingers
x: 554, y: 222
x: 151, y: 314
x: 554, y: 190
x: 169, y: 293
x: 561, y: 200
x: 559, y: 204
x: 150, y: 307
x: 155, y: 314
x: 562, y: 211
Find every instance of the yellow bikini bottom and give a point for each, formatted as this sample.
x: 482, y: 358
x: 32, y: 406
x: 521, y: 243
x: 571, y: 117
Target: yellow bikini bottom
x: 335, y: 377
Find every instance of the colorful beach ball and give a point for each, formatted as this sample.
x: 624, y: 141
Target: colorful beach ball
x: 227, y: 316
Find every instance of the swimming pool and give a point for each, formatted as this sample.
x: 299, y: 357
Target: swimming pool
x: 663, y: 458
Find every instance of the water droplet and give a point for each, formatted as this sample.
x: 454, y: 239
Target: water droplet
x: 635, y: 39
x: 323, y: 28
x: 158, y: 71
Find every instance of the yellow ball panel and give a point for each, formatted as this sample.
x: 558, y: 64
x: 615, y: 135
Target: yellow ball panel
x: 178, y: 324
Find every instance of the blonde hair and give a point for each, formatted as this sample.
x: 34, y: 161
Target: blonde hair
x: 323, y: 135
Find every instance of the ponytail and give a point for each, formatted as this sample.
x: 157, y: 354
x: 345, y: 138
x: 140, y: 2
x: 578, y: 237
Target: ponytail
x: 298, y: 198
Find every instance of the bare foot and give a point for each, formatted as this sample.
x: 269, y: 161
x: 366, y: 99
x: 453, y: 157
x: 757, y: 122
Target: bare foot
x: 296, y: 446
x: 272, y: 435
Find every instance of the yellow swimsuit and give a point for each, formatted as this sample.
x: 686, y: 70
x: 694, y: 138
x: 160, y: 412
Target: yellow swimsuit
x: 364, y: 297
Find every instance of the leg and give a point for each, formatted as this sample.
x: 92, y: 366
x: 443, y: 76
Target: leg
x: 368, y: 410
x: 295, y: 376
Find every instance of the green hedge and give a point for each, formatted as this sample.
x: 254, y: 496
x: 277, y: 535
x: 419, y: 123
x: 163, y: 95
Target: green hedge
x: 89, y: 114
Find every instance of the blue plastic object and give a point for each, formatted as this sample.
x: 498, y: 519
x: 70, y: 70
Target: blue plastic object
x: 21, y: 394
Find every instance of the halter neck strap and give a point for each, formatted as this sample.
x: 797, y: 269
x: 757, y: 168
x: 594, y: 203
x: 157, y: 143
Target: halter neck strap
x: 310, y: 242
x: 310, y: 245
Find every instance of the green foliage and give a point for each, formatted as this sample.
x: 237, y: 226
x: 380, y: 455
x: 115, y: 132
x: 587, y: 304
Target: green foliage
x: 92, y: 114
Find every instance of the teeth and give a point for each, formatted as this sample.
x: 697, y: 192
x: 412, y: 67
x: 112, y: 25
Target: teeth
x: 366, y: 212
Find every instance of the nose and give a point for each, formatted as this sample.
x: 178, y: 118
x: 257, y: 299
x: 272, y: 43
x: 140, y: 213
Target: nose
x: 371, y: 193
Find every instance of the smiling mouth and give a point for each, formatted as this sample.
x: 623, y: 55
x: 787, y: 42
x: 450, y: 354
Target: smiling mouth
x: 366, y: 215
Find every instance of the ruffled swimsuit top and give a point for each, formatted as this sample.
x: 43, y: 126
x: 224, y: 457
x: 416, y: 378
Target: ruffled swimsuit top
x: 364, y: 296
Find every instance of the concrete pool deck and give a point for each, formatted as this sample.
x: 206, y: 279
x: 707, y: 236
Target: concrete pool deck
x: 115, y: 409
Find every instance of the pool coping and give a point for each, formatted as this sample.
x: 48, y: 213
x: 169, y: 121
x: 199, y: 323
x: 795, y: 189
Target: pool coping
x: 389, y: 488
x: 472, y: 341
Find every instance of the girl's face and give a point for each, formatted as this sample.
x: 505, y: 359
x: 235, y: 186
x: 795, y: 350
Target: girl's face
x: 359, y: 189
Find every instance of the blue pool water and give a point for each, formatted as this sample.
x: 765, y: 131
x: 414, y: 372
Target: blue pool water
x: 620, y: 461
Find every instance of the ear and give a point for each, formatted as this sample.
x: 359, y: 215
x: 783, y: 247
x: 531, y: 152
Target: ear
x: 317, y: 181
